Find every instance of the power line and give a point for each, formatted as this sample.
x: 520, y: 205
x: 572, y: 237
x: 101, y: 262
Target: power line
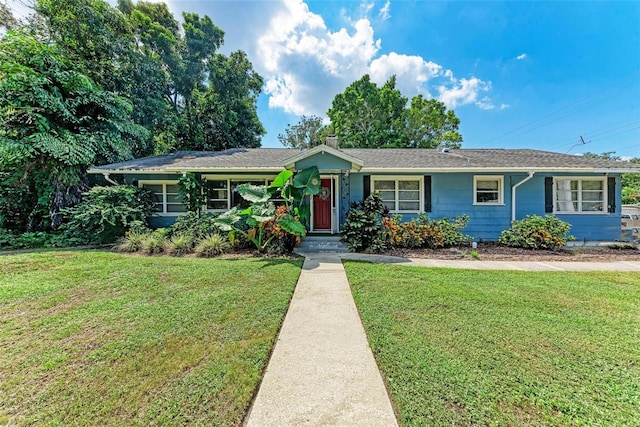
x: 579, y: 100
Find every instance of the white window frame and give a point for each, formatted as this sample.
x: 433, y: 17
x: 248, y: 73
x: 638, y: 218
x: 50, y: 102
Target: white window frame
x: 164, y: 184
x: 580, y: 179
x: 229, y: 178
x: 499, y: 179
x: 396, y: 200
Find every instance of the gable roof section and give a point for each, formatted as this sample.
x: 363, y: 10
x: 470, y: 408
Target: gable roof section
x: 371, y: 160
x: 356, y: 163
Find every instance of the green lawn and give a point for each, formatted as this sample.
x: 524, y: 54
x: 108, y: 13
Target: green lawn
x: 98, y: 338
x: 504, y: 348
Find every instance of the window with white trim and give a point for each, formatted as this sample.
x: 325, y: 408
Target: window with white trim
x: 222, y: 193
x: 488, y: 190
x: 399, y: 194
x: 165, y: 197
x: 580, y: 195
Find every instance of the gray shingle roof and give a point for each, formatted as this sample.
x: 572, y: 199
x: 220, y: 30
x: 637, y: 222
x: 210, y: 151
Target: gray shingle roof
x: 373, y: 160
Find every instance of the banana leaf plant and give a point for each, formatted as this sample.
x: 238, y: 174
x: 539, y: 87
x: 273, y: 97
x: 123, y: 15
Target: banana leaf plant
x: 294, y: 192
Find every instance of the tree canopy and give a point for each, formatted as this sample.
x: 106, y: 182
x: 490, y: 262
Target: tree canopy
x: 54, y: 123
x: 308, y: 132
x: 84, y: 83
x: 368, y: 116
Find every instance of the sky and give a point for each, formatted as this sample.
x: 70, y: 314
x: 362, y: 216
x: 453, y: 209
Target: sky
x: 556, y: 76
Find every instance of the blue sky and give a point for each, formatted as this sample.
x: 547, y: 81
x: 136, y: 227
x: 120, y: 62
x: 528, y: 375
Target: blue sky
x: 518, y: 74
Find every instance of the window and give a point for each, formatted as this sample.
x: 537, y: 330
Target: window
x: 222, y: 194
x: 488, y: 190
x: 579, y: 195
x: 165, y: 197
x: 400, y: 194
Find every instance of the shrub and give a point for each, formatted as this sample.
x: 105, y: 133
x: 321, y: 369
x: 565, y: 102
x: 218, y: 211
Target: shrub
x: 212, y: 245
x: 422, y: 232
x: 180, y: 244
x: 362, y: 230
x: 154, y: 243
x: 132, y: 241
x: 536, y: 232
x: 198, y: 227
x: 106, y: 213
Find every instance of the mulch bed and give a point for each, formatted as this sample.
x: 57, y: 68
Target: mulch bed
x: 493, y: 252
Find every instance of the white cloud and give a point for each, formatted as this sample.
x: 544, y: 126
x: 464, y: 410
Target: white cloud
x: 521, y: 56
x: 504, y: 106
x: 465, y: 91
x: 412, y: 72
x: 385, y: 11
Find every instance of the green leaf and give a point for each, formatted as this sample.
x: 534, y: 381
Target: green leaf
x: 308, y: 180
x: 226, y: 221
x: 292, y: 226
x: 282, y: 179
x: 254, y: 193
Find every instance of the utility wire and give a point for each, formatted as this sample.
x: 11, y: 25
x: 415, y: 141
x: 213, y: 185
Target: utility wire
x: 579, y: 100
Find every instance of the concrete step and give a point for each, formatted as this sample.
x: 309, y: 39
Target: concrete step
x: 322, y: 244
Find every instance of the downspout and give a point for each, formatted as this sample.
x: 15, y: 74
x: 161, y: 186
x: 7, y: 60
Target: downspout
x: 109, y: 180
x: 513, y: 195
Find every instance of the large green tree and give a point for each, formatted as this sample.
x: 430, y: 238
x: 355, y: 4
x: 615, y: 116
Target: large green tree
x: 308, y: 132
x: 430, y: 124
x: 368, y: 116
x: 54, y: 123
x: 183, y: 91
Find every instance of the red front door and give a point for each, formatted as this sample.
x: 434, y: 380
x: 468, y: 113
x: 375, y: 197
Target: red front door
x: 322, y: 206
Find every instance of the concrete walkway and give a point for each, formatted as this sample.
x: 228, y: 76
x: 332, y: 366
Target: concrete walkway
x: 322, y: 371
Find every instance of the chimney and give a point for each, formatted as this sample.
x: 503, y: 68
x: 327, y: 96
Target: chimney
x: 332, y: 141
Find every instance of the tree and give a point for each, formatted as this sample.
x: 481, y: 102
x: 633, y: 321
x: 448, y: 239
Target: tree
x: 7, y: 19
x: 430, y: 125
x: 367, y: 116
x: 54, y: 123
x: 183, y: 91
x: 307, y: 133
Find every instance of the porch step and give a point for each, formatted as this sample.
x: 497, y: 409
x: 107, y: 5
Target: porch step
x: 321, y: 244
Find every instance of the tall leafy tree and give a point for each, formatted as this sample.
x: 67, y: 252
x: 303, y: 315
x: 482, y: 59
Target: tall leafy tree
x: 54, y: 123
x: 368, y: 116
x: 430, y: 124
x: 307, y: 133
x: 168, y: 70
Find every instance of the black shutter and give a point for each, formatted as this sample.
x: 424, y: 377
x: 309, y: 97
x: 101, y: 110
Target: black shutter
x: 427, y: 193
x: 611, y: 194
x: 366, y: 186
x: 548, y: 194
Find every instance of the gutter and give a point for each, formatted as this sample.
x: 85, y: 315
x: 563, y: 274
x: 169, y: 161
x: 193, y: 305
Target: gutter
x: 513, y: 195
x: 109, y: 180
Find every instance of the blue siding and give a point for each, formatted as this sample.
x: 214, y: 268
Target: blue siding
x: 324, y: 161
x: 452, y: 195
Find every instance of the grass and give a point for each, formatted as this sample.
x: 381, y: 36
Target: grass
x: 98, y: 338
x: 504, y: 348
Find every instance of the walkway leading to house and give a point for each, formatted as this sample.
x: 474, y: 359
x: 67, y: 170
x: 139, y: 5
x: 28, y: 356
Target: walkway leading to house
x: 322, y: 371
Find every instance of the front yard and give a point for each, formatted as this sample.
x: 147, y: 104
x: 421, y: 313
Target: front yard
x: 97, y: 338
x: 504, y: 348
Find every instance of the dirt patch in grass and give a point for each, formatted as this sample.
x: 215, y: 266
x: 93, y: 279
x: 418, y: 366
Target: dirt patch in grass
x: 493, y: 252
